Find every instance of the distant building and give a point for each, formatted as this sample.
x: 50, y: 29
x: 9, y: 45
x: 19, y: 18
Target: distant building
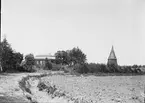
x: 112, y: 60
x: 40, y: 59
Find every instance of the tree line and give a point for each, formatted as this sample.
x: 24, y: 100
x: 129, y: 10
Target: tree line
x: 11, y: 61
x: 74, y: 60
x: 70, y: 57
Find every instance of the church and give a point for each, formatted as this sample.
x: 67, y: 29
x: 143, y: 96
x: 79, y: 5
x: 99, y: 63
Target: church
x: 112, y: 60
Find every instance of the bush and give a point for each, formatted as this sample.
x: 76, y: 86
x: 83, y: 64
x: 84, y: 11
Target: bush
x: 112, y: 68
x: 28, y: 64
x: 30, y: 60
x: 127, y: 69
x: 27, y: 68
x: 94, y: 68
x: 81, y: 68
x: 48, y: 65
x: 56, y: 67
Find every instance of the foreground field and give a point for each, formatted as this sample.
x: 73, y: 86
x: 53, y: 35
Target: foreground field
x: 89, y: 89
x: 108, y: 89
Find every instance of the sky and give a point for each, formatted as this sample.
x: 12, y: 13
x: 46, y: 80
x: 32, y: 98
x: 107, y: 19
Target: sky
x: 46, y: 26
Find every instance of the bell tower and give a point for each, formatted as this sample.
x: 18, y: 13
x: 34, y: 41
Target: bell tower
x: 112, y: 60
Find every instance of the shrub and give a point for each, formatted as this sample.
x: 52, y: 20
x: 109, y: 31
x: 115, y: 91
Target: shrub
x: 81, y: 68
x: 127, y: 69
x: 56, y: 67
x: 66, y: 69
x: 48, y: 65
x: 104, y: 68
x: 28, y: 64
x: 28, y: 68
x: 30, y: 59
x: 94, y: 68
x: 112, y: 68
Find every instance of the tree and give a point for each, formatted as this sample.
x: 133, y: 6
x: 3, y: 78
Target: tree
x: 81, y: 68
x: 58, y: 57
x: 30, y: 60
x: 17, y: 59
x: 135, y: 66
x: 70, y: 57
x: 28, y: 64
x: 10, y: 60
x: 6, y: 55
x: 62, y: 57
x: 77, y: 56
x: 1, y: 56
x: 48, y: 65
x: 112, y: 68
x: 94, y: 68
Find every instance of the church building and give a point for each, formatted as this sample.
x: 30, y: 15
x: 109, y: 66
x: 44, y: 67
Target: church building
x: 112, y: 60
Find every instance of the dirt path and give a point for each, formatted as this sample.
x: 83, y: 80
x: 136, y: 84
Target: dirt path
x: 10, y: 91
x: 10, y: 99
x: 9, y: 88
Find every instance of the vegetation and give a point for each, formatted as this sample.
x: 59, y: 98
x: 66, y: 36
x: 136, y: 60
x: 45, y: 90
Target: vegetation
x: 81, y: 68
x: 10, y: 60
x: 70, y: 57
x: 102, y: 68
x: 29, y: 63
x: 70, y: 60
x: 48, y: 65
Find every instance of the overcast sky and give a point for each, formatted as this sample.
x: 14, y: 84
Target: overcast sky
x: 46, y: 26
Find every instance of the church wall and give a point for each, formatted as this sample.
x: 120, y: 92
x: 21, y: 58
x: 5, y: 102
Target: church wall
x: 112, y: 61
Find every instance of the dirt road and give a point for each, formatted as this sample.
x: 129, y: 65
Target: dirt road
x: 9, y: 88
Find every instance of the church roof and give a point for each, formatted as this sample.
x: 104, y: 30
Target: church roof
x: 112, y: 54
x: 45, y: 56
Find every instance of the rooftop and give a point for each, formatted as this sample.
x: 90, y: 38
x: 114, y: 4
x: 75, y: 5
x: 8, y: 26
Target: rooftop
x: 45, y: 56
x: 112, y: 54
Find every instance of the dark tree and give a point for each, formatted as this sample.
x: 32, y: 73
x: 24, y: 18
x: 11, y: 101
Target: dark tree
x: 62, y: 57
x: 28, y: 64
x: 7, y: 55
x: 10, y: 60
x: 30, y: 59
x: 48, y: 65
x: 77, y: 56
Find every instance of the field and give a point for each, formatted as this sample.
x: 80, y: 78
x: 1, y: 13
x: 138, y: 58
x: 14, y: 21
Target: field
x: 100, y: 89
x: 89, y: 89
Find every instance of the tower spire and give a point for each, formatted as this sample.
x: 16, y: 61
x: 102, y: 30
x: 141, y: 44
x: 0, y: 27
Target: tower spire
x: 112, y: 57
x: 112, y: 54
